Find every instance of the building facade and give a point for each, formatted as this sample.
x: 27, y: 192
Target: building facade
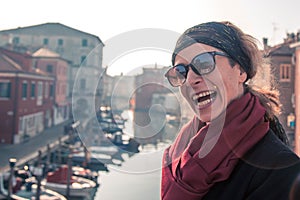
x: 149, y: 103
x: 282, y: 59
x: 26, y: 103
x: 52, y: 64
x: 82, y: 49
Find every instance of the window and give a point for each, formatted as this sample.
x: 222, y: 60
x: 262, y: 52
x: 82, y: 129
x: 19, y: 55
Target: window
x: 60, y: 42
x: 51, y: 91
x: 83, y: 60
x: 46, y: 89
x: 39, y: 93
x: 35, y: 65
x: 32, y: 90
x: 84, y: 43
x: 16, y: 40
x: 40, y: 89
x: 24, y: 90
x: 49, y: 68
x: 5, y: 88
x: 285, y: 73
x: 46, y: 41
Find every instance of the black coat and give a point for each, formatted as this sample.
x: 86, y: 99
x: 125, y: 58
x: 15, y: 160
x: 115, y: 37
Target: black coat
x: 266, y: 172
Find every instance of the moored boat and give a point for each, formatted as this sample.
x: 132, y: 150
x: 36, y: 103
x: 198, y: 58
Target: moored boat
x: 85, y: 173
x: 45, y: 194
x: 78, y: 186
x: 27, y: 189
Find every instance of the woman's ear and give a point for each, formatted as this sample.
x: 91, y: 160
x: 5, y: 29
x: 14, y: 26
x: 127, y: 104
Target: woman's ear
x: 243, y: 76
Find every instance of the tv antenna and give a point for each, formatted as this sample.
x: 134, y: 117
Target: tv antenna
x: 275, y: 29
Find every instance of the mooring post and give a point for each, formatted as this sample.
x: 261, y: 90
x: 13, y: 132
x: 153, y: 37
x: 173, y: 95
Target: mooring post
x: 12, y: 163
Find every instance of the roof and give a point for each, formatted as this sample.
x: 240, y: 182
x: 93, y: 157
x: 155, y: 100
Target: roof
x: 49, y: 29
x: 8, y: 65
x: 17, y: 57
x: 43, y: 52
x: 281, y: 49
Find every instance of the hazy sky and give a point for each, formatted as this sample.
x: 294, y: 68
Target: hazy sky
x: 260, y: 18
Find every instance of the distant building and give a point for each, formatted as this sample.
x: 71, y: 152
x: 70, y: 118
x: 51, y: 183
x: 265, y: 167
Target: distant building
x: 122, y: 91
x: 282, y: 58
x: 84, y: 50
x: 149, y: 105
x: 52, y: 64
x: 26, y: 99
x: 106, y: 89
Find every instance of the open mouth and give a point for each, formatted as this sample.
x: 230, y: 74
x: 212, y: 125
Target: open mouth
x: 205, y: 98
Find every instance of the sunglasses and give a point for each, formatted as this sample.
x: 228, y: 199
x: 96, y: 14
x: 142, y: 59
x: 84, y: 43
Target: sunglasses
x: 201, y: 64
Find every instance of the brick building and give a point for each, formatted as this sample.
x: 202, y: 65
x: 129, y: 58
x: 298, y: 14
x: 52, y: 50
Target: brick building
x: 51, y: 63
x: 83, y: 50
x: 148, y: 104
x: 282, y: 58
x: 26, y: 100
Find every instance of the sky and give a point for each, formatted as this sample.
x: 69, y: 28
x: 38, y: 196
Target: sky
x: 109, y: 18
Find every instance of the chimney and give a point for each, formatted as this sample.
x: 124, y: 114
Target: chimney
x: 293, y: 37
x: 265, y: 43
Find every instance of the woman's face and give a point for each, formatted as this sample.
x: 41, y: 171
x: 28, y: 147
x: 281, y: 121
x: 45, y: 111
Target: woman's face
x: 209, y: 94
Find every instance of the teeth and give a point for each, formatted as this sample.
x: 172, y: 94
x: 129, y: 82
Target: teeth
x: 203, y: 103
x: 203, y: 94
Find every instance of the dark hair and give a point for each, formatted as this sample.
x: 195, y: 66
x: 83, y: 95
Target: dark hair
x: 243, y: 49
x: 224, y: 36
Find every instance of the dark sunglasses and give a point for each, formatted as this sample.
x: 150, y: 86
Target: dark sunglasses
x: 201, y: 64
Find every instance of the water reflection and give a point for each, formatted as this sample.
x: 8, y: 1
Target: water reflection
x: 137, y: 175
x: 138, y: 178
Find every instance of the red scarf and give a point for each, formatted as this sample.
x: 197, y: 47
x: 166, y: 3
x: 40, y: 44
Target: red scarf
x: 191, y: 166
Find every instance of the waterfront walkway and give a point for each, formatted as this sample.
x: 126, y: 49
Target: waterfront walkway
x: 29, y: 149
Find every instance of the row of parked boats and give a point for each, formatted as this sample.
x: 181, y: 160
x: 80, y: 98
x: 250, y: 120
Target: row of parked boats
x: 56, y: 185
x: 76, y: 176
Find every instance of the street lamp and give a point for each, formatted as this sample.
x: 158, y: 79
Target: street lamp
x: 12, y: 163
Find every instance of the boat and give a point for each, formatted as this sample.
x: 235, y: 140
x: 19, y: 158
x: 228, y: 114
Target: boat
x: 26, y: 190
x: 110, y: 122
x: 85, y: 173
x: 109, y: 150
x: 123, y: 141
x: 58, y: 181
x: 29, y: 192
x: 78, y: 171
x: 89, y: 158
x: 4, y: 192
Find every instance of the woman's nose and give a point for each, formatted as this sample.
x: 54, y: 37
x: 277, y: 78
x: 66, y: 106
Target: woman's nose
x: 193, y: 78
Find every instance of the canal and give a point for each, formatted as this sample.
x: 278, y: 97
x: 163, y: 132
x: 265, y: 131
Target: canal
x: 139, y: 175
x: 138, y: 178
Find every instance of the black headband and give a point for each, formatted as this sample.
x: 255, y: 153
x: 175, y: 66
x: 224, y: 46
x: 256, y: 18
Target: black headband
x: 218, y: 35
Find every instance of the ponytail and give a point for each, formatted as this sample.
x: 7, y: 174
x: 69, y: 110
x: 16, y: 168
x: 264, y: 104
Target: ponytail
x: 270, y: 100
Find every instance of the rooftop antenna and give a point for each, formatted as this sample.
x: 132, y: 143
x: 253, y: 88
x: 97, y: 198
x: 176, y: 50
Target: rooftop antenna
x: 275, y: 29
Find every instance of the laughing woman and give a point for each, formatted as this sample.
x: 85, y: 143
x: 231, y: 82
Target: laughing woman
x: 234, y: 147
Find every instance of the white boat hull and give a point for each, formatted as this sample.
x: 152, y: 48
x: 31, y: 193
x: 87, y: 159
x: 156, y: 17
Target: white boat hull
x: 83, y: 187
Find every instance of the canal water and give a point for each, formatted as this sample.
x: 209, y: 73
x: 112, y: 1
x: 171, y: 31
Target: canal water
x: 138, y: 175
x: 138, y: 178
